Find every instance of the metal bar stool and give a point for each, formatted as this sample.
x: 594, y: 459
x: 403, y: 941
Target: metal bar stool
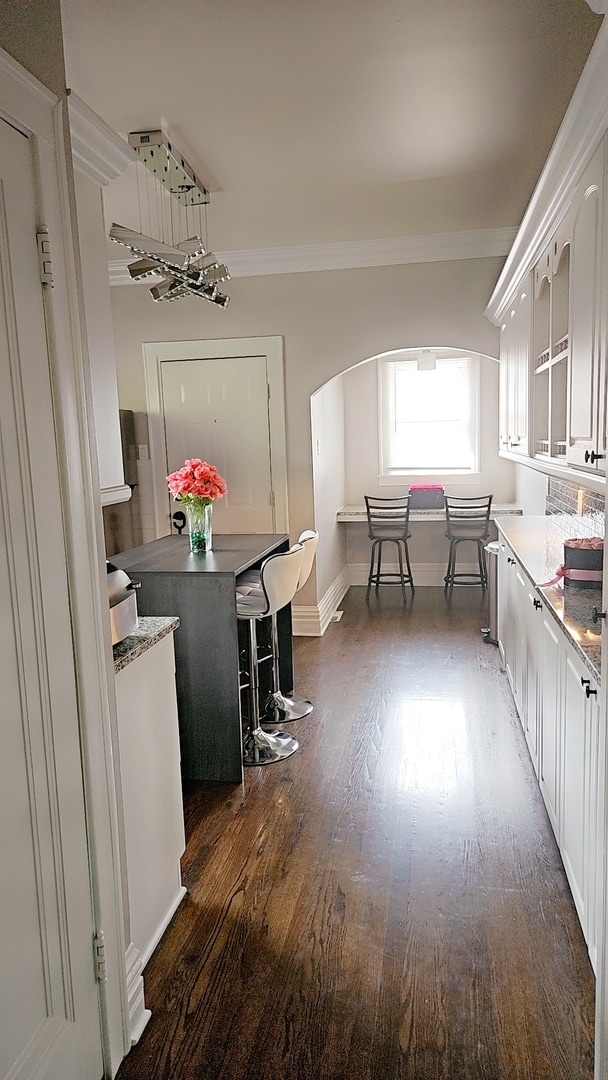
x: 388, y: 522
x: 279, y: 578
x: 281, y: 709
x: 468, y: 521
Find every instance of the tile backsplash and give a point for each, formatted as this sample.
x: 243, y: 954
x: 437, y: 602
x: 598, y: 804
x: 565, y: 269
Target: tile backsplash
x: 582, y: 511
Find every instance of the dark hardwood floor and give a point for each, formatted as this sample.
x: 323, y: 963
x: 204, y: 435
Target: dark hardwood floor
x: 389, y: 902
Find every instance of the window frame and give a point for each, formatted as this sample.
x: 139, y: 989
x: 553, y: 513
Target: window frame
x: 393, y: 476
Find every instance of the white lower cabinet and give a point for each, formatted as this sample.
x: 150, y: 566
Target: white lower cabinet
x: 150, y: 787
x: 557, y: 702
x: 549, y: 756
x: 511, y: 620
x: 578, y: 821
x: 533, y: 666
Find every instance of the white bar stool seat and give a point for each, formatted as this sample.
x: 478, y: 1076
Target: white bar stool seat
x: 279, y: 578
x: 281, y: 709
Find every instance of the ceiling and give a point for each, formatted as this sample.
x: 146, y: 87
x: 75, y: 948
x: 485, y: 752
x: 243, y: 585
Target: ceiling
x: 325, y: 121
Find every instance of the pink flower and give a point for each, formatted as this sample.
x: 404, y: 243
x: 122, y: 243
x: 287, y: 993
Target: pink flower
x: 196, y: 480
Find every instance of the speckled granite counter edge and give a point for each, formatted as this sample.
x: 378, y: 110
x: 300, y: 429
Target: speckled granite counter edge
x: 570, y: 608
x: 149, y: 631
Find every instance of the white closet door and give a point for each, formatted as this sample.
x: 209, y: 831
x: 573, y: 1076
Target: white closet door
x: 217, y: 410
x: 49, y: 1013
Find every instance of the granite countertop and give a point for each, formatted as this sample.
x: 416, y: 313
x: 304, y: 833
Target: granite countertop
x: 538, y: 543
x: 357, y: 513
x: 147, y: 633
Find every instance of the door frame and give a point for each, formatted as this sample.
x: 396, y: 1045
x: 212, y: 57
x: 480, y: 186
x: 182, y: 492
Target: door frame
x: 158, y: 352
x: 32, y: 108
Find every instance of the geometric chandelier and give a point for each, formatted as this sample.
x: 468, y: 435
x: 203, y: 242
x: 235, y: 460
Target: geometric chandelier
x: 185, y: 266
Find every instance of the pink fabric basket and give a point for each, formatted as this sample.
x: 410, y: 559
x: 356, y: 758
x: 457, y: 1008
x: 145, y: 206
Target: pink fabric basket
x: 583, y: 562
x: 426, y: 497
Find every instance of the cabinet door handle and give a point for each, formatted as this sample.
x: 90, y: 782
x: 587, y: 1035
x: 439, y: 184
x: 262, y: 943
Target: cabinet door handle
x: 591, y: 456
x: 595, y: 614
x: 586, y: 683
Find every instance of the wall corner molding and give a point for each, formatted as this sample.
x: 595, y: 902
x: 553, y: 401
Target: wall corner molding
x: 98, y: 152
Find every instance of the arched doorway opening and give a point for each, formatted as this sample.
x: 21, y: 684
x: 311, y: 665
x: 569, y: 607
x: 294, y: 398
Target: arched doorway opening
x: 345, y: 466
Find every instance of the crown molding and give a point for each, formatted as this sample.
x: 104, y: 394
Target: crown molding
x: 351, y: 255
x: 584, y: 125
x: 97, y: 151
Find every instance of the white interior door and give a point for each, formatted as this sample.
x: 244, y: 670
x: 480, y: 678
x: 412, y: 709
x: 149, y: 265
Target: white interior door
x: 49, y: 1014
x: 217, y: 410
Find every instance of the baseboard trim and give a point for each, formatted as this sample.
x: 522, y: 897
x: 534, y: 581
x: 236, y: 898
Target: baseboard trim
x: 162, y: 925
x: 313, y: 621
x: 138, y: 1014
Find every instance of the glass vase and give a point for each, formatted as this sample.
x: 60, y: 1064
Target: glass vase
x: 199, y: 520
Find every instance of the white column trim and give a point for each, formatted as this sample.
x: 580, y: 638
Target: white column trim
x: 30, y: 106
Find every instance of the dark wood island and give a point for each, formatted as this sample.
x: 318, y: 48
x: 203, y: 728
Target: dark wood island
x: 200, y: 590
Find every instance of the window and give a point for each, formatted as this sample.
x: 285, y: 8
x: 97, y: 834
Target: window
x: 428, y: 413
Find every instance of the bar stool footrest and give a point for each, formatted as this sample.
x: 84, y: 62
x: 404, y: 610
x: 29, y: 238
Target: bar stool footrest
x: 263, y: 748
x: 281, y: 709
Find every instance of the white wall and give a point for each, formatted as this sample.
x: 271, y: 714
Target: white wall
x: 330, y: 321
x: 361, y: 438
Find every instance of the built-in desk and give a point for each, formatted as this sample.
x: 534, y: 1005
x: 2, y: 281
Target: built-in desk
x: 428, y: 546
x: 348, y: 514
x: 200, y: 590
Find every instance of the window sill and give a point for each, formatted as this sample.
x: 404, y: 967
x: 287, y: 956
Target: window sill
x: 405, y: 479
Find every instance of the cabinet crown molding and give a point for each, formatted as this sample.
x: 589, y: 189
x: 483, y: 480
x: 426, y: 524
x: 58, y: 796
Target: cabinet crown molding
x: 584, y: 125
x: 98, y: 152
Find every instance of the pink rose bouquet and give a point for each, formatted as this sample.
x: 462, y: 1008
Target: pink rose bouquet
x: 196, y: 483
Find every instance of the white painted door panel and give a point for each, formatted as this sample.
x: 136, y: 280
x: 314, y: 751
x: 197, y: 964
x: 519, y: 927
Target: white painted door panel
x: 217, y: 410
x: 49, y: 1014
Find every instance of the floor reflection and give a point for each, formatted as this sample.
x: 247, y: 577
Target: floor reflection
x: 433, y: 753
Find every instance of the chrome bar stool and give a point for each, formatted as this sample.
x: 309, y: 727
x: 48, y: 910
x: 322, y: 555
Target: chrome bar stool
x: 279, y: 578
x: 281, y: 709
x: 468, y: 521
x: 388, y: 521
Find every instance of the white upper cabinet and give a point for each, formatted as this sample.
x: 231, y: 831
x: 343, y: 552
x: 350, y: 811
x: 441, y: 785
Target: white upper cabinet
x: 562, y: 243
x: 515, y: 372
x: 550, y: 346
x: 99, y: 156
x: 586, y: 418
x: 553, y: 340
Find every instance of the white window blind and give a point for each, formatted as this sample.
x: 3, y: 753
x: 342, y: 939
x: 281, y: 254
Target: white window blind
x: 429, y: 414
